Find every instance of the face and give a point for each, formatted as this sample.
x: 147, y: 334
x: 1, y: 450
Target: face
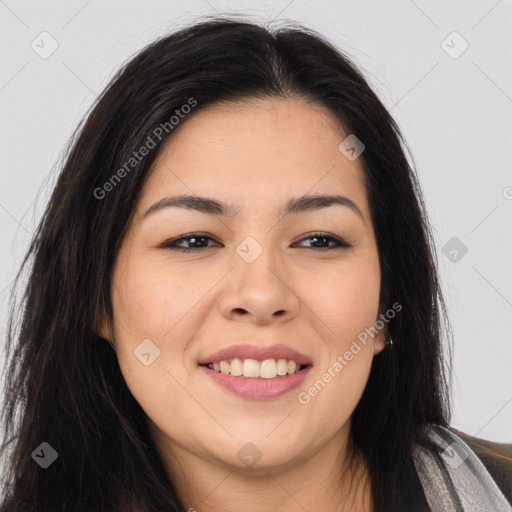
x: 257, y: 276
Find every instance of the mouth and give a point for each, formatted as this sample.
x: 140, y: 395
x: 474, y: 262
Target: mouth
x: 257, y: 371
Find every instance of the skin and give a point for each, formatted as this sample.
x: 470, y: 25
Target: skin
x: 255, y: 155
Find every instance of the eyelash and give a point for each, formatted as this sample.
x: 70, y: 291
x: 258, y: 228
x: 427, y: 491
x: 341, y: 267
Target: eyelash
x: 171, y: 244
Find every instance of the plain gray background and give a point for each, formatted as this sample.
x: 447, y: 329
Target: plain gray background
x: 453, y: 106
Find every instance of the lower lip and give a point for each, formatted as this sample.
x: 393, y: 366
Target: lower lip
x: 256, y: 388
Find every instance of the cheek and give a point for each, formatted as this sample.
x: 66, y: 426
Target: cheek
x: 167, y: 306
x: 152, y: 303
x: 150, y: 300
x: 350, y: 307
x: 345, y: 299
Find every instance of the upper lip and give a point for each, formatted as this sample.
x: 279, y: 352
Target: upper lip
x: 258, y: 352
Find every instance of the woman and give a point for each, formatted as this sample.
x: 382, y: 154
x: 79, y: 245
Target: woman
x: 233, y: 302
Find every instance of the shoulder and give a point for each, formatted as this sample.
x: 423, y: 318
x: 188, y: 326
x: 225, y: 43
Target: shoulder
x: 496, y: 457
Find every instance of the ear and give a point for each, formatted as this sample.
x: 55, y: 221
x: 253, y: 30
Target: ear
x: 102, y: 329
x: 379, y: 343
x: 380, y: 339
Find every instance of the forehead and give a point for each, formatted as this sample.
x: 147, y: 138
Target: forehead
x: 256, y: 152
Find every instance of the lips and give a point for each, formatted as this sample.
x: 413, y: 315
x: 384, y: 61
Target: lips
x: 257, y: 352
x: 258, y: 389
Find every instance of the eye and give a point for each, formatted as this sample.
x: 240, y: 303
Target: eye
x: 322, y: 238
x: 198, y: 241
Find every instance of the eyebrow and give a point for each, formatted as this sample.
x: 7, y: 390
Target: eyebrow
x: 213, y: 207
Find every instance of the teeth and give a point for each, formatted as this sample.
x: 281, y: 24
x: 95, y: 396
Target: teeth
x: 224, y: 367
x: 236, y: 368
x: 292, y: 366
x: 251, y: 368
x: 282, y: 367
x: 268, y: 369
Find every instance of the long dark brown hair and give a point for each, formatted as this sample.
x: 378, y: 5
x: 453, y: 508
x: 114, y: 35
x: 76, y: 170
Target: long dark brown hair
x: 63, y: 383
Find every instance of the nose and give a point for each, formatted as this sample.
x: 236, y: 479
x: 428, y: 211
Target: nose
x: 259, y: 293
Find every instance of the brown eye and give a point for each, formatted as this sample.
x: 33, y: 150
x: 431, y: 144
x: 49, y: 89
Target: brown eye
x: 321, y: 241
x: 195, y: 242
